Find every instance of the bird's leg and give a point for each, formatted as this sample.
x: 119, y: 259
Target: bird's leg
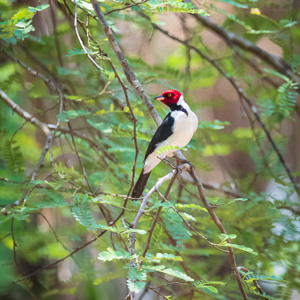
x: 184, y: 161
x: 173, y: 166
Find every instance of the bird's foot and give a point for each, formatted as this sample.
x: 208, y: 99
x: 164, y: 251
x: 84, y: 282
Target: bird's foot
x: 173, y: 166
x: 184, y: 161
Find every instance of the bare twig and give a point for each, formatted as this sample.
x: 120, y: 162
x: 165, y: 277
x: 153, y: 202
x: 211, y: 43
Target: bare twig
x: 134, y: 120
x: 81, y: 42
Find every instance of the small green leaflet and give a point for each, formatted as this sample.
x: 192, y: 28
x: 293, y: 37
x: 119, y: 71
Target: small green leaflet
x: 214, y: 125
x: 207, y: 285
x: 136, y: 280
x: 160, y: 256
x: 234, y: 3
x: 237, y: 199
x: 111, y: 254
x: 223, y: 237
x: 168, y: 271
x: 240, y: 247
x: 168, y: 148
x: 38, y: 8
x: 77, y: 51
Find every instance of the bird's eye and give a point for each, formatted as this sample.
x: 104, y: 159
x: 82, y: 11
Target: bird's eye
x: 169, y: 95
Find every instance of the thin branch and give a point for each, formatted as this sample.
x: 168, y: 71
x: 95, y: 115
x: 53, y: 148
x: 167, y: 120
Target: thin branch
x: 132, y: 79
x: 157, y: 215
x: 81, y: 42
x: 126, y: 7
x: 240, y: 93
x: 134, y: 120
x: 136, y: 84
x: 51, y: 228
x: 42, y: 156
x: 155, y: 188
x: 61, y: 259
x: 24, y: 114
x: 15, y: 258
x: 189, y: 225
x: 221, y: 228
x: 277, y: 62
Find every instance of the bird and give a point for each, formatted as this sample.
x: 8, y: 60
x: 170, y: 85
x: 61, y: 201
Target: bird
x: 176, y: 130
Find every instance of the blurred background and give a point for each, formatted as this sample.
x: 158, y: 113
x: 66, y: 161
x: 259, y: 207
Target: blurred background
x: 71, y: 125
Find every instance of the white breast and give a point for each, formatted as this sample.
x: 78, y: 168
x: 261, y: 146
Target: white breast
x: 183, y: 129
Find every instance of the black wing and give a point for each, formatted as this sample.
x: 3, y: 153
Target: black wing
x: 161, y: 134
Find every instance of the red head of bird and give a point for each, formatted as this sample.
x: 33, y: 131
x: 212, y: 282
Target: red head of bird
x: 169, y: 97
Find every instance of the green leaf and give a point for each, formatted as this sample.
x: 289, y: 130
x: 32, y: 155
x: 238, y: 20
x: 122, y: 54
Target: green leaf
x: 67, y: 115
x: 214, y: 125
x: 169, y: 271
x: 175, y: 226
x: 207, y: 285
x: 224, y: 237
x: 111, y: 254
x: 168, y: 148
x: 77, y: 51
x: 38, y: 8
x: 210, y: 288
x: 13, y: 156
x: 81, y: 211
x: 165, y: 256
x: 234, y: 3
x: 46, y: 198
x: 136, y: 280
x: 240, y: 247
x: 237, y: 200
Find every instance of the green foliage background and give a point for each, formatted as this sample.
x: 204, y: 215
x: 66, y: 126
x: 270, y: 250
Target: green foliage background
x: 80, y: 188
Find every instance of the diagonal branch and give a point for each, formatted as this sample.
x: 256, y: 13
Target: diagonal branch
x: 24, y: 114
x: 52, y: 264
x: 136, y: 84
x: 157, y: 215
x: 80, y: 40
x: 241, y: 95
x: 221, y: 228
x: 277, y: 62
x: 132, y: 79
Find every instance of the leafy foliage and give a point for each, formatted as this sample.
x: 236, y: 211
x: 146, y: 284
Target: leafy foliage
x: 12, y: 156
x: 65, y: 219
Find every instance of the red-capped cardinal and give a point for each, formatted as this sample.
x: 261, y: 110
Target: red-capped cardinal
x: 177, y: 129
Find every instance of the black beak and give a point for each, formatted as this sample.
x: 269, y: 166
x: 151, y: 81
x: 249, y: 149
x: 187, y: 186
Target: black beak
x: 159, y: 98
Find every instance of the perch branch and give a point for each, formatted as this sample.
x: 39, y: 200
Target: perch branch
x: 240, y: 93
x: 157, y: 215
x: 136, y: 84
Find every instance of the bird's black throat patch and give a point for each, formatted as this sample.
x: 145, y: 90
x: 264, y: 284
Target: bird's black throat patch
x: 174, y: 106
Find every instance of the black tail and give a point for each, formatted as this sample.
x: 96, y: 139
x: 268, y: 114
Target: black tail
x: 140, y: 185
